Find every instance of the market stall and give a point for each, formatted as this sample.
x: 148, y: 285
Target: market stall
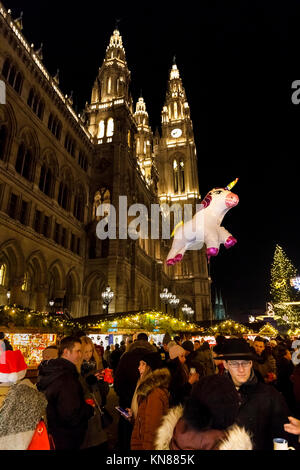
x: 31, y: 343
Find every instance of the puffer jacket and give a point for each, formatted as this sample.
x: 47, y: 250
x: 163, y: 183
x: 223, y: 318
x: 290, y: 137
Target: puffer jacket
x: 153, y: 401
x: 67, y: 411
x: 176, y: 434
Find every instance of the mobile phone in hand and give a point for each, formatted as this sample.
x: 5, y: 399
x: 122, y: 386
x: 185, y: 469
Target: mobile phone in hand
x: 123, y: 412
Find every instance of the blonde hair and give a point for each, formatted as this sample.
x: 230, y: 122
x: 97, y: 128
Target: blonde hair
x: 86, y: 341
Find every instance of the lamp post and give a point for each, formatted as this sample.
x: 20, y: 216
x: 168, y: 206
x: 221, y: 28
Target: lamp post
x: 107, y: 297
x: 165, y: 296
x: 173, y: 301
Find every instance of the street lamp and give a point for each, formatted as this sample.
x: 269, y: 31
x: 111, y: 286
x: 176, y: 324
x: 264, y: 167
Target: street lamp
x: 187, y: 311
x: 173, y: 301
x: 165, y: 296
x: 8, y: 295
x: 107, y: 297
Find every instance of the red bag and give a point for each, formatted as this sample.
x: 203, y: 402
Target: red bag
x: 41, y: 440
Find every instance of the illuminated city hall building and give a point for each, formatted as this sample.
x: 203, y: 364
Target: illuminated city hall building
x: 57, y: 167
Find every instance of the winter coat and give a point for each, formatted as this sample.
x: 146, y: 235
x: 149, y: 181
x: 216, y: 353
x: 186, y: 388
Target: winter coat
x: 153, y: 400
x: 21, y: 409
x: 179, y: 388
x: 263, y: 412
x: 115, y: 358
x: 95, y: 434
x: 264, y: 364
x: 67, y: 411
x: 127, y: 374
x: 175, y: 434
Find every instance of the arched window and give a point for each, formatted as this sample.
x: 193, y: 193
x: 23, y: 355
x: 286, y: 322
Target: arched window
x: 24, y: 162
x: 175, y: 110
x: 63, y: 195
x: 18, y: 83
x: 175, y: 176
x: 3, y: 269
x: 40, y: 110
x: 3, y: 139
x: 109, y: 85
x: 27, y: 283
x: 182, y: 180
x: 110, y: 127
x: 101, y: 197
x: 46, y: 179
x: 79, y: 206
x: 6, y: 68
x: 101, y: 129
x: 12, y: 75
x: 30, y: 97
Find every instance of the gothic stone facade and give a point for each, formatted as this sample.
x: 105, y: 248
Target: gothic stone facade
x: 56, y: 167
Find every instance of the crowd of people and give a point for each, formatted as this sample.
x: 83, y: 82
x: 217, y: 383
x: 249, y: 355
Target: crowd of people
x: 178, y: 395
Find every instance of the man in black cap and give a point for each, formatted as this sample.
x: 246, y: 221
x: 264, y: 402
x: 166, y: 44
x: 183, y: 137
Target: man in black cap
x: 263, y: 410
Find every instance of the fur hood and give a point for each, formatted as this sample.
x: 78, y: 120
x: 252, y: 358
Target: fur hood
x: 160, y: 378
x: 235, y: 437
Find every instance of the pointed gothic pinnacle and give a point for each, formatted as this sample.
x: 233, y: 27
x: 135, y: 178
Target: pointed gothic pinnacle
x: 174, y: 60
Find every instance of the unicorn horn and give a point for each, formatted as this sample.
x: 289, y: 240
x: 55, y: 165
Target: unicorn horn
x: 231, y: 185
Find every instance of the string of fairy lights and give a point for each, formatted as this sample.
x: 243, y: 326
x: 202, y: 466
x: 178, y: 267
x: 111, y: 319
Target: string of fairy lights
x: 14, y: 316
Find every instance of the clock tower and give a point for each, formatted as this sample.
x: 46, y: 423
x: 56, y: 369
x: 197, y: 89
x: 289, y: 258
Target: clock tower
x: 178, y: 184
x: 177, y: 152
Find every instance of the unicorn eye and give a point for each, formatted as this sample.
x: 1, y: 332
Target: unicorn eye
x: 218, y: 192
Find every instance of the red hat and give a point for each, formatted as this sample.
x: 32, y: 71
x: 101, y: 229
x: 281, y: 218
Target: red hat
x: 12, y: 366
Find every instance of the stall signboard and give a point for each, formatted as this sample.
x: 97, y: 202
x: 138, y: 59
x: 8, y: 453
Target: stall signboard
x: 31, y: 345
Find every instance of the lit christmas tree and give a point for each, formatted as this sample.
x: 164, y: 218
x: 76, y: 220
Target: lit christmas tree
x: 282, y: 271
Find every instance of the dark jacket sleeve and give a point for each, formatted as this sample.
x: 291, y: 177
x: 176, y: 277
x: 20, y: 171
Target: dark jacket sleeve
x: 70, y: 404
x: 279, y: 417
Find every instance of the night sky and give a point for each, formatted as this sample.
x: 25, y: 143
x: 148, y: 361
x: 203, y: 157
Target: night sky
x: 237, y: 61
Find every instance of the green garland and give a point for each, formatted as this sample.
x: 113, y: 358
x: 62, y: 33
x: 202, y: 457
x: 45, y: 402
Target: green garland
x: 13, y: 316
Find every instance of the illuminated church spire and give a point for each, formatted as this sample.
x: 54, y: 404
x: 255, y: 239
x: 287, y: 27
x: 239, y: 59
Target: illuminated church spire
x: 114, y: 77
x: 176, y: 107
x: 144, y: 140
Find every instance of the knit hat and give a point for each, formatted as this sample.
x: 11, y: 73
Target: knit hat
x: 188, y: 346
x: 12, y: 367
x: 153, y: 360
x: 218, y: 394
x: 176, y: 351
x: 236, y: 348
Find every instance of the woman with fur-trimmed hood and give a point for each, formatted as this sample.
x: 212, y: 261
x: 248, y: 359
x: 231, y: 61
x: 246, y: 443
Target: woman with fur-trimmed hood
x: 150, y: 401
x: 206, y: 421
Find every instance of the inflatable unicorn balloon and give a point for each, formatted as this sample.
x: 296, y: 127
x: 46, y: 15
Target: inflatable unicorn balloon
x: 205, y: 226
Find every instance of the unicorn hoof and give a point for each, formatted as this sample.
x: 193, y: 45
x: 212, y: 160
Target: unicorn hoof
x: 170, y: 262
x: 178, y: 258
x: 211, y: 252
x: 231, y: 241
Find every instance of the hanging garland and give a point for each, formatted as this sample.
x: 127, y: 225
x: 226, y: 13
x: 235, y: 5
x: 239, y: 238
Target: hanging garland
x: 228, y: 327
x: 152, y: 321
x: 13, y: 316
x: 17, y: 316
x: 268, y: 330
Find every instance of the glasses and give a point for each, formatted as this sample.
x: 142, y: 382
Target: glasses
x: 237, y: 364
